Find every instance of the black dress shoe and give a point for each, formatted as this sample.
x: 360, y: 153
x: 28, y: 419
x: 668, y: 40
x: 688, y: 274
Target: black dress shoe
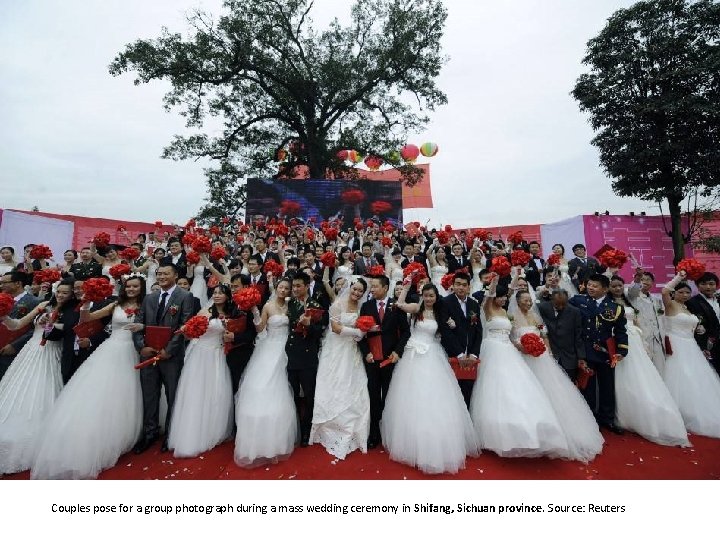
x: 143, y: 444
x: 373, y: 443
x: 164, y: 447
x: 614, y: 428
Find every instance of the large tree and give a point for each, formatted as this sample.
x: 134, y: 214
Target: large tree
x: 653, y: 95
x: 277, y: 83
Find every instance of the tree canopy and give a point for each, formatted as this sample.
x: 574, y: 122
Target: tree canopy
x: 277, y: 83
x: 653, y: 96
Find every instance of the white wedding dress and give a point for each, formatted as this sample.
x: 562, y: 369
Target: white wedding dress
x: 267, y: 428
x: 693, y: 383
x: 643, y: 402
x: 27, y: 393
x: 199, y: 285
x: 341, y: 416
x: 576, y: 418
x: 512, y: 414
x: 425, y: 422
x: 436, y: 274
x: 565, y: 281
x: 98, y: 415
x: 202, y: 414
x: 343, y: 271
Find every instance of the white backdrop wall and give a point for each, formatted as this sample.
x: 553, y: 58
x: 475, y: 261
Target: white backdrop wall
x: 18, y: 229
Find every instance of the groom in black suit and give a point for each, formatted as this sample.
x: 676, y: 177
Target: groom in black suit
x: 707, y: 308
x: 170, y: 306
x: 463, y: 341
x: 394, y: 331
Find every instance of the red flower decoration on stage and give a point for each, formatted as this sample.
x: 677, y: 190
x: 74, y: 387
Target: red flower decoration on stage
x: 41, y: 251
x: 613, y: 258
x: 218, y: 253
x: 520, y: 257
x: 482, y: 234
x: 202, y: 244
x: 192, y: 257
x: 129, y: 253
x: 447, y: 280
x: 380, y: 207
x: 290, y: 208
x: 195, y: 327
x: 49, y: 275
x: 448, y: 228
x: 7, y: 303
x: 501, y: 266
x: 553, y: 260
x: 418, y: 268
x: 533, y: 344
x: 215, y: 230
x: 352, y: 196
x: 96, y: 289
x: 273, y: 267
x: 515, y: 238
x: 330, y: 234
x: 443, y: 237
x: 365, y: 323
x: 247, y: 298
x: 328, y: 259
x: 693, y: 268
x: 120, y: 270
x: 386, y: 241
x: 158, y: 224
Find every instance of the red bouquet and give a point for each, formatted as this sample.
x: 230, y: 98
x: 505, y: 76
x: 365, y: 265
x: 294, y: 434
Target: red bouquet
x: 330, y: 234
x: 482, y: 234
x: 190, y: 224
x: 101, y: 239
x: 195, y: 327
x: 692, y: 267
x: 309, y: 236
x: 41, y: 251
x: 290, y: 208
x: 129, y: 253
x: 448, y: 228
x: 49, y: 275
x: 245, y: 228
x: 533, y: 344
x: 443, y: 237
x: 386, y: 241
x: 447, y: 280
x: 215, y: 230
x: 273, y: 267
x: 553, y: 260
x: 352, y: 196
x: 120, y: 270
x: 247, y: 298
x: 380, y: 207
x: 375, y: 270
x: 418, y: 268
x: 218, y: 253
x: 520, y: 257
x: 192, y: 257
x: 189, y: 238
x: 501, y: 266
x: 7, y: 303
x: 202, y: 244
x: 613, y: 258
x: 389, y: 228
x: 365, y: 323
x: 516, y: 238
x: 96, y: 289
x: 328, y: 259
x: 282, y: 229
x: 158, y: 224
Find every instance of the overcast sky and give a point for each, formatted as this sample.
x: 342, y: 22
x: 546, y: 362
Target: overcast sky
x: 514, y: 148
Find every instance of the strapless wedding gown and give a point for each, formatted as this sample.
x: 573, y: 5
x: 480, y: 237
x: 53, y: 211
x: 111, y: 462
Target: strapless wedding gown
x: 693, y: 383
x: 199, y: 285
x: 436, y: 274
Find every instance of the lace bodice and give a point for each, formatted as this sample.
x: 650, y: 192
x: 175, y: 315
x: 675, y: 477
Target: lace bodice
x: 499, y: 328
x: 682, y: 324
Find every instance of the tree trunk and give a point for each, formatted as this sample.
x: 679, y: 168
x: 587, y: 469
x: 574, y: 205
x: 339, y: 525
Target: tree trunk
x: 676, y: 231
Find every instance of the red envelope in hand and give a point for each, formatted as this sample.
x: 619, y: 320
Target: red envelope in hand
x: 88, y: 329
x: 157, y: 337
x: 375, y: 344
x: 236, y: 326
x: 583, y: 378
x: 461, y: 373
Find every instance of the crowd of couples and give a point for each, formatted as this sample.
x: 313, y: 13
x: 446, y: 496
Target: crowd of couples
x: 372, y: 336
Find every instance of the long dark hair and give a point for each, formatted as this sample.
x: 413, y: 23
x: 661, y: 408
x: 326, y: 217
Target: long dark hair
x: 72, y: 302
x: 229, y: 307
x: 623, y: 295
x: 122, y: 295
x: 439, y: 311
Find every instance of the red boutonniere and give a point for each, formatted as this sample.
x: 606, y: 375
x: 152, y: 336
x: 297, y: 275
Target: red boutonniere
x: 22, y: 311
x: 131, y: 311
x: 173, y: 310
x: 473, y: 319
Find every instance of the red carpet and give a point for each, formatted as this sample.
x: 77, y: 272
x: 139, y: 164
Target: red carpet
x: 626, y: 457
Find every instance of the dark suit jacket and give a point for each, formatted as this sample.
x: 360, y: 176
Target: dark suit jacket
x: 319, y: 294
x: 564, y: 334
x: 360, y: 266
x: 466, y: 337
x: 102, y: 335
x: 82, y: 271
x: 601, y: 322
x: 395, y: 329
x: 302, y: 348
x: 181, y: 264
x: 454, y: 265
x: 580, y: 272
x: 269, y: 255
x: 21, y: 308
x: 178, y: 309
x: 68, y: 317
x: 697, y: 305
x: 264, y: 288
x: 533, y: 274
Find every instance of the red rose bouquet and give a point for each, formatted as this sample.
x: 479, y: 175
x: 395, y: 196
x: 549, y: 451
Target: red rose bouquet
x: 158, y: 224
x: 195, y: 327
x: 192, y: 257
x: 380, y: 207
x: 120, y: 270
x: 483, y: 234
x: 352, y: 196
x: 447, y: 280
x: 418, y: 268
x: 533, y: 344
x: 328, y: 259
x: 375, y: 270
x: 245, y: 228
x: 273, y: 267
x: 7, y: 303
x: 501, y: 266
x: 386, y: 241
x: 215, y: 230
x: 330, y: 234
x: 553, y: 260
x: 448, y: 228
x: 189, y: 238
x: 247, y: 298
x: 692, y: 267
x: 218, y: 253
x: 49, y: 275
x: 101, y: 239
x: 520, y: 257
x: 96, y: 289
x: 515, y: 238
x: 129, y: 253
x: 202, y: 244
x: 190, y: 224
x: 443, y: 237
x: 281, y: 229
x: 309, y: 236
x: 365, y: 323
x: 613, y: 258
x: 121, y: 228
x: 41, y: 251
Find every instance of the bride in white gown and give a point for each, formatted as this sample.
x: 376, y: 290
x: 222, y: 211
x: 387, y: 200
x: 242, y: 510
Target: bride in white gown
x: 578, y: 423
x: 267, y: 428
x: 425, y: 422
x: 341, y: 417
x: 513, y: 416
x: 692, y: 381
x: 98, y: 415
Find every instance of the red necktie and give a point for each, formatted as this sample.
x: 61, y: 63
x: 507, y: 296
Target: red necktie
x: 381, y: 310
